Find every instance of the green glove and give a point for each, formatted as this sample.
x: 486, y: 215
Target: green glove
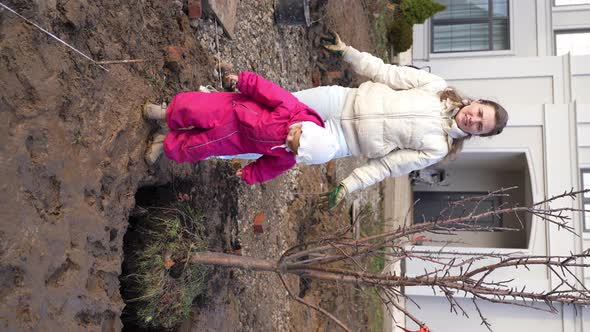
x: 333, y: 43
x: 331, y: 199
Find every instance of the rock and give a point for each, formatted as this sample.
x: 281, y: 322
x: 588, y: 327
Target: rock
x: 173, y: 53
x: 258, y: 222
x: 225, y: 12
x: 331, y: 171
x: 315, y: 77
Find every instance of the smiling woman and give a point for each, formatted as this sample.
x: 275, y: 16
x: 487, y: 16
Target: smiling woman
x: 403, y: 119
x: 476, y: 118
x: 480, y: 117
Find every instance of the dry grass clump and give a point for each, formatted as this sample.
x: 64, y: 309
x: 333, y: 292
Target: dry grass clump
x: 165, y: 286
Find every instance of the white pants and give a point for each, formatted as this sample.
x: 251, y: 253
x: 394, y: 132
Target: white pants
x: 328, y: 102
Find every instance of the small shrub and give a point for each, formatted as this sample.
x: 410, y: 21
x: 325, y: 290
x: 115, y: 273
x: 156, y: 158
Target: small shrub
x: 417, y: 11
x: 400, y: 35
x: 165, y: 286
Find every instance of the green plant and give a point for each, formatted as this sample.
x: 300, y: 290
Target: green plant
x: 78, y: 139
x: 375, y: 308
x: 417, y: 11
x: 400, y: 35
x: 164, y: 284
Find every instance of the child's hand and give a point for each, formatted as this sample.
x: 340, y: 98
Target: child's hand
x: 229, y: 82
x: 239, y: 172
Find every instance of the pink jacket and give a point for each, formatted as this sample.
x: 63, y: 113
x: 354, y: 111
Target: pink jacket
x: 256, y: 120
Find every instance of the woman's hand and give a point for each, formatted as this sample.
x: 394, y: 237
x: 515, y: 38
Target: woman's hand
x: 333, y: 43
x: 331, y: 199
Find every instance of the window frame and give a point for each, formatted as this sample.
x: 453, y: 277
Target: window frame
x: 490, y: 20
x: 571, y: 4
x: 565, y: 32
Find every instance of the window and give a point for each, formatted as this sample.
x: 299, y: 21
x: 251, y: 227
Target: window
x: 433, y: 205
x: 585, y: 178
x: 574, y: 42
x: 571, y: 2
x: 471, y: 25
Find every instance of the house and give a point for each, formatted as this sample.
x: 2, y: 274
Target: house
x: 532, y: 56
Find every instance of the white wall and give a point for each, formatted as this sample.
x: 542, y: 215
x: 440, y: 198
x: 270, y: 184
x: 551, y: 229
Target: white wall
x: 571, y: 17
x: 435, y: 312
x: 547, y: 98
x: 581, y: 81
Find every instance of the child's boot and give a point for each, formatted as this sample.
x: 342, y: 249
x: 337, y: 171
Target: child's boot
x: 156, y: 148
x: 154, y: 112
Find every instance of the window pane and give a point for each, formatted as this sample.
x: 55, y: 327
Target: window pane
x: 577, y: 43
x: 463, y: 9
x: 500, y: 35
x: 500, y: 8
x: 461, y: 37
x: 587, y: 217
x: 570, y: 2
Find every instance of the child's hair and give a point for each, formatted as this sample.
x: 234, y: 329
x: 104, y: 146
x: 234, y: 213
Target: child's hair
x: 316, y: 144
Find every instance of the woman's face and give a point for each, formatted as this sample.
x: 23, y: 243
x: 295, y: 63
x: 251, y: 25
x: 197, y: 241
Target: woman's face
x: 476, y: 118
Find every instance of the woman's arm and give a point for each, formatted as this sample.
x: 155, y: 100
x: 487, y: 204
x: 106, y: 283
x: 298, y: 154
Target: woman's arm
x: 395, y: 163
x: 396, y: 77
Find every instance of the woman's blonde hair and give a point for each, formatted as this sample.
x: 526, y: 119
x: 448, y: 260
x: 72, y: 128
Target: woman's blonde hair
x: 501, y: 120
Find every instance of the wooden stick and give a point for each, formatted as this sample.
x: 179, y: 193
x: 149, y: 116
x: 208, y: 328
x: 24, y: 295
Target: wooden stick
x: 52, y: 35
x: 120, y: 61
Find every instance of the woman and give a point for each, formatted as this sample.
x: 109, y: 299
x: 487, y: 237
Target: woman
x: 403, y: 119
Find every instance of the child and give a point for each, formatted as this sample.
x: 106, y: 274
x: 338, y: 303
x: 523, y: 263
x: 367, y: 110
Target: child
x: 261, y: 118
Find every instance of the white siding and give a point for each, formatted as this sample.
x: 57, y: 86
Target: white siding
x: 435, y: 312
x: 549, y: 104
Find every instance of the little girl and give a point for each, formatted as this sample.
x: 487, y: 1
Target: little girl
x: 261, y: 118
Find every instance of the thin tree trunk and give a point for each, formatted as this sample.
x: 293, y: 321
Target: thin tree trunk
x: 241, y: 262
x: 256, y: 264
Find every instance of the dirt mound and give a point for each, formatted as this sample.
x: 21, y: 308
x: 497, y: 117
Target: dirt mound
x: 72, y: 151
x: 71, y: 160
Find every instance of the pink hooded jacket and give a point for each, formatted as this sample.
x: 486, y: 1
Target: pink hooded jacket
x: 255, y: 120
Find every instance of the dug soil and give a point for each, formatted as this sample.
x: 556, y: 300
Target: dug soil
x: 72, y: 144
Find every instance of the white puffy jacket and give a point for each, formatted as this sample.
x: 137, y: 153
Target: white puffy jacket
x: 396, y: 120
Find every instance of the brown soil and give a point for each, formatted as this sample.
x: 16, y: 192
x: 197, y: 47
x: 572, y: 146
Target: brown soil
x: 72, y: 144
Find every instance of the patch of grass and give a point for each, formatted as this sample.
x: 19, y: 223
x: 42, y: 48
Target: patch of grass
x: 154, y: 81
x: 78, y: 139
x: 370, y: 225
x: 375, y: 309
x: 164, y: 283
